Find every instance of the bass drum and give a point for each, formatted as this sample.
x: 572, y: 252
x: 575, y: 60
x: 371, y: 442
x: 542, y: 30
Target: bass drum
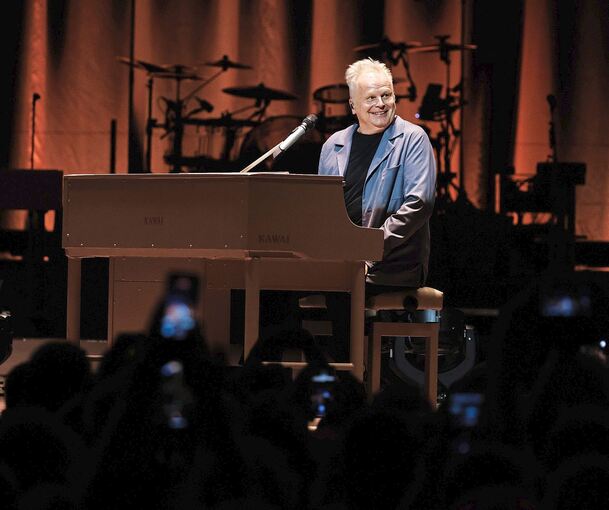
x: 300, y: 158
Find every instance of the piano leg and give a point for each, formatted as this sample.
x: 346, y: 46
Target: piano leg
x: 252, y: 304
x: 73, y: 301
x: 357, y: 321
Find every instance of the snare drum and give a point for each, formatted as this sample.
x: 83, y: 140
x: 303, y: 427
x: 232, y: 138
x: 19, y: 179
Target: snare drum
x: 300, y: 158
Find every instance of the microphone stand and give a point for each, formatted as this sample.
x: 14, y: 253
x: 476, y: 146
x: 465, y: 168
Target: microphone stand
x: 32, y: 217
x: 35, y: 231
x: 562, y: 193
x: 552, y: 133
x: 35, y: 98
x: 150, y: 123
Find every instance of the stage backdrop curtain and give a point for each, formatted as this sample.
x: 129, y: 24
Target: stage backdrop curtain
x: 67, y: 50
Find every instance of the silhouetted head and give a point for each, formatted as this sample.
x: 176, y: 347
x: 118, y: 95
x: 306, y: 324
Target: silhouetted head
x: 382, y: 452
x: 581, y: 482
x: 16, y: 387
x: 36, y: 447
x: 58, y: 372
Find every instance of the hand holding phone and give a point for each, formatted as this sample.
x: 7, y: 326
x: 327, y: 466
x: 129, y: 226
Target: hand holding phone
x: 465, y: 408
x: 178, y: 315
x: 322, y: 392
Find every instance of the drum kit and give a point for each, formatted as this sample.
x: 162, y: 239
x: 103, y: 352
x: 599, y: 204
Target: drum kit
x: 177, y: 116
x: 334, y: 112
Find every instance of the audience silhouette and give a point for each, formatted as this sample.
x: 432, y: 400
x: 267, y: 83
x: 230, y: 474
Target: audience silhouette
x: 163, y: 423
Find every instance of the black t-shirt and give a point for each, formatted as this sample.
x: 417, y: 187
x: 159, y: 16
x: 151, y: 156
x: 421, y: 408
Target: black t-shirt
x: 363, y: 148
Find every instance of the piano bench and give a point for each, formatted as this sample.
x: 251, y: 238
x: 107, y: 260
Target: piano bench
x: 425, y: 303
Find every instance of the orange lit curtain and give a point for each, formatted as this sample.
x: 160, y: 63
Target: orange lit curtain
x: 66, y: 50
x: 566, y: 54
x: 69, y: 56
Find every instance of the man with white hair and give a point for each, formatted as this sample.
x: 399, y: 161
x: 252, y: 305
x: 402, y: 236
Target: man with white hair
x: 390, y: 177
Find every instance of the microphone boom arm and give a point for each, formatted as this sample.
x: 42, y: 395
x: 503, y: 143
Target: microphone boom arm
x: 284, y: 145
x: 259, y: 160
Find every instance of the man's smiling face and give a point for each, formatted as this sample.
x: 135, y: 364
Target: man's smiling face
x: 373, y: 102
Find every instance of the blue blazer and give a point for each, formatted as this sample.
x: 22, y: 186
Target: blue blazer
x: 399, y: 194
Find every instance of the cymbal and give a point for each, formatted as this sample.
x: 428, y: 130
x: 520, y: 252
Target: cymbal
x: 387, y: 45
x: 177, y: 76
x: 141, y: 64
x: 260, y: 91
x: 178, y: 69
x: 443, y: 47
x: 225, y: 63
x: 224, y: 121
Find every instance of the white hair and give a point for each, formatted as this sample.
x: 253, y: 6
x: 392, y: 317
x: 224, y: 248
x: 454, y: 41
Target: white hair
x: 366, y: 65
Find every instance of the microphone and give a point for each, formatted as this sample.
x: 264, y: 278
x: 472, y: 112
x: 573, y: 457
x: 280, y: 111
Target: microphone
x: 308, y: 122
x: 35, y: 97
x: 204, y: 106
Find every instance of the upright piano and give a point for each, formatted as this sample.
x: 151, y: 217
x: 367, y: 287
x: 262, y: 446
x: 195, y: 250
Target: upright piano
x: 236, y: 231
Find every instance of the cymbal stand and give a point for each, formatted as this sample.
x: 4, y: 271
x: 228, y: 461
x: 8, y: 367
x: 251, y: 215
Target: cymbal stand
x: 176, y: 107
x: 262, y: 104
x: 179, y: 129
x: 231, y: 132
x: 191, y: 94
x: 447, y: 130
x: 150, y: 123
x: 412, y: 88
x: 178, y: 133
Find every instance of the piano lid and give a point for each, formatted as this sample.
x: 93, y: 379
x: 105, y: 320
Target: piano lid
x: 222, y: 215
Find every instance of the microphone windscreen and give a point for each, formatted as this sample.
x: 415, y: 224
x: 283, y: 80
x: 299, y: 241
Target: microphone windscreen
x: 310, y: 120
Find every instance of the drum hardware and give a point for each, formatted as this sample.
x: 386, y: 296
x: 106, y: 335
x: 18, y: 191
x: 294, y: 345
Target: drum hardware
x: 141, y: 64
x: 177, y: 72
x: 260, y: 92
x: 262, y: 95
x: 332, y: 94
x: 229, y: 123
x: 226, y: 121
x: 151, y: 70
x: 175, y: 113
x: 204, y: 106
x: 176, y: 119
x: 386, y: 47
x: 334, y: 111
x: 434, y: 107
x: 437, y: 108
x: 306, y: 125
x: 395, y: 53
x: 225, y: 63
x: 443, y: 47
x: 201, y: 163
x: 263, y: 140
